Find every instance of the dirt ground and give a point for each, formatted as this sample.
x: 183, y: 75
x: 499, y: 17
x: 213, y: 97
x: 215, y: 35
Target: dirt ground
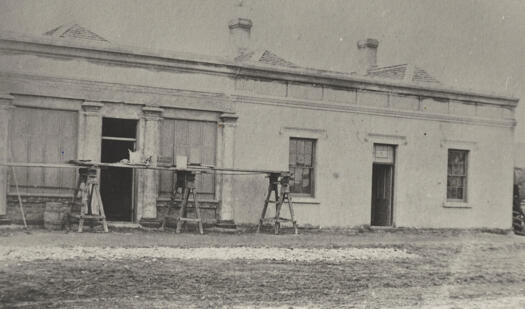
x: 381, y: 269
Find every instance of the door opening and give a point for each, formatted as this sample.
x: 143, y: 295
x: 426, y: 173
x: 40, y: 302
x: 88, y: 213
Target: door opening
x: 383, y: 185
x: 116, y: 184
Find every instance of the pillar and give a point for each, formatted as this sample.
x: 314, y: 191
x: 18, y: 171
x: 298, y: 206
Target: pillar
x: 226, y: 215
x: 149, y: 180
x: 5, y: 107
x: 92, y: 131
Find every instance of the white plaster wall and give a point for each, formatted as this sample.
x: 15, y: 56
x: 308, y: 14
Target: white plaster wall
x: 344, y: 151
x: 344, y: 167
x: 79, y: 68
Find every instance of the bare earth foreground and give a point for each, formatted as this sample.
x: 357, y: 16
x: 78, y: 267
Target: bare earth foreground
x: 317, y: 269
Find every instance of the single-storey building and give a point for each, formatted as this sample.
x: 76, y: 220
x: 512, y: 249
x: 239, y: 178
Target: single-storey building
x: 383, y: 146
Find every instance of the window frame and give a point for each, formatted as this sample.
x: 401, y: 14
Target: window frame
x: 313, y: 167
x: 465, y: 175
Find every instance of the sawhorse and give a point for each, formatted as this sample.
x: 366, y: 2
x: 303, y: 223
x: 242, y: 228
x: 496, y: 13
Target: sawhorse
x: 283, y: 197
x: 184, y: 185
x: 92, y: 208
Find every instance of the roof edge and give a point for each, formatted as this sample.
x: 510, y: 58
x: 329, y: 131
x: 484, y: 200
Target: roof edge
x: 45, y: 45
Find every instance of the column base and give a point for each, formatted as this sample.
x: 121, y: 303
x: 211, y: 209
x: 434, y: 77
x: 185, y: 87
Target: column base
x: 226, y: 224
x: 150, y: 222
x: 4, y: 220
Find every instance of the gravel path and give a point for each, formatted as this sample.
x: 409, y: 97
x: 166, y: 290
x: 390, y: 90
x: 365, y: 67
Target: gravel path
x: 412, y: 269
x: 237, y: 253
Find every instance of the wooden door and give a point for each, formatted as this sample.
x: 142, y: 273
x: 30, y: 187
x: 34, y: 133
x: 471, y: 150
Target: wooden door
x: 382, y: 192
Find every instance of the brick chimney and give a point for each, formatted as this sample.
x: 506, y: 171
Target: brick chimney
x: 367, y: 54
x: 240, y: 29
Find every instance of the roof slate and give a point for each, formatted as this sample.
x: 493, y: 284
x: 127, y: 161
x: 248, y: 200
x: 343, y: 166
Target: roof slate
x: 266, y: 57
x: 74, y: 31
x: 404, y: 72
x: 271, y: 58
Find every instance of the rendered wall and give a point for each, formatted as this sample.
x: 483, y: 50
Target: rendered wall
x: 344, y: 165
x: 346, y: 123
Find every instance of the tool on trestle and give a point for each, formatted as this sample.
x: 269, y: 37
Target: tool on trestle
x: 184, y: 186
x: 276, y: 179
x: 88, y: 191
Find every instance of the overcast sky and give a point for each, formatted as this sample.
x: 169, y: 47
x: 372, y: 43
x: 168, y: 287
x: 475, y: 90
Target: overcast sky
x: 463, y: 43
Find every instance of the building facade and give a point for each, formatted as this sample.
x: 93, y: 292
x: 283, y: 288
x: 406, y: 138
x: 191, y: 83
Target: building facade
x: 364, y: 148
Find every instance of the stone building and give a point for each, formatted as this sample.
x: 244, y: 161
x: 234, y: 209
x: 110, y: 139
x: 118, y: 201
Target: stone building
x: 386, y: 146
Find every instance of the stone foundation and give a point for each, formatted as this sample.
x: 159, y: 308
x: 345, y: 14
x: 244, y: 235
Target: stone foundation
x: 208, y: 212
x: 34, y: 207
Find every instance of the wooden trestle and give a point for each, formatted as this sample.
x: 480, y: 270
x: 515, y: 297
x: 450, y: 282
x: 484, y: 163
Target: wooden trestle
x: 88, y: 191
x: 274, y: 180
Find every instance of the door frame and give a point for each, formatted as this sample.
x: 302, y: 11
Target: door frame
x: 136, y: 145
x: 393, y: 177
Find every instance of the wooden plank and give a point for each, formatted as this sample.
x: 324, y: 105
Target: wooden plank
x: 21, y: 120
x: 209, y: 134
x: 166, y: 150
x: 203, y: 169
x: 69, y: 123
x: 51, y: 155
x: 195, y: 134
x: 36, y: 154
x: 180, y: 129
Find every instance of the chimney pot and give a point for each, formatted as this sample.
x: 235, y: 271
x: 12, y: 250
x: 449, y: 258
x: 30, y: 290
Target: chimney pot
x: 367, y: 43
x: 367, y: 54
x: 240, y: 30
x: 243, y: 23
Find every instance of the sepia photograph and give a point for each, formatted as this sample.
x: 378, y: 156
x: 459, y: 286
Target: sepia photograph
x: 277, y: 154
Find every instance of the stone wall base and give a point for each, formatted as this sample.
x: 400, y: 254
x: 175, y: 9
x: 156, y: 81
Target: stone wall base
x: 34, y: 207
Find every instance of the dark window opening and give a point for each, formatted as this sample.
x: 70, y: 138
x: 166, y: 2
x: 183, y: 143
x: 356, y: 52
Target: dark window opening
x: 115, y: 127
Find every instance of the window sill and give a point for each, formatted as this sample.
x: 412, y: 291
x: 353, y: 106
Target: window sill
x: 452, y: 204
x: 304, y: 200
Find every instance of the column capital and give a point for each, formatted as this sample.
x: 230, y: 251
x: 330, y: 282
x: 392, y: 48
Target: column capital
x: 90, y: 106
x: 6, y: 100
x: 228, y: 119
x: 152, y: 112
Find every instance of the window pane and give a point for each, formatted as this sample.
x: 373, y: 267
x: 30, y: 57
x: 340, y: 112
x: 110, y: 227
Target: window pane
x: 298, y: 188
x: 293, y: 152
x: 459, y: 193
x: 306, y: 180
x: 308, y: 153
x: 300, y: 152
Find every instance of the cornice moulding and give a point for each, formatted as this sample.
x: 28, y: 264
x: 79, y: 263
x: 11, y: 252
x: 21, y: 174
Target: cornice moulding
x: 94, y: 88
x: 133, y: 56
x: 360, y: 109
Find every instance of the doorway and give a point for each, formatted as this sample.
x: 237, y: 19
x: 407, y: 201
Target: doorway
x: 116, y: 183
x: 383, y: 185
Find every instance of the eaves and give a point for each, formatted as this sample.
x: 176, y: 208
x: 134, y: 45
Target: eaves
x: 168, y: 60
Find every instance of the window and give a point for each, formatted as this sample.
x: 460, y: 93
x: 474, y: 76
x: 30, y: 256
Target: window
x: 457, y: 175
x: 301, y: 163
